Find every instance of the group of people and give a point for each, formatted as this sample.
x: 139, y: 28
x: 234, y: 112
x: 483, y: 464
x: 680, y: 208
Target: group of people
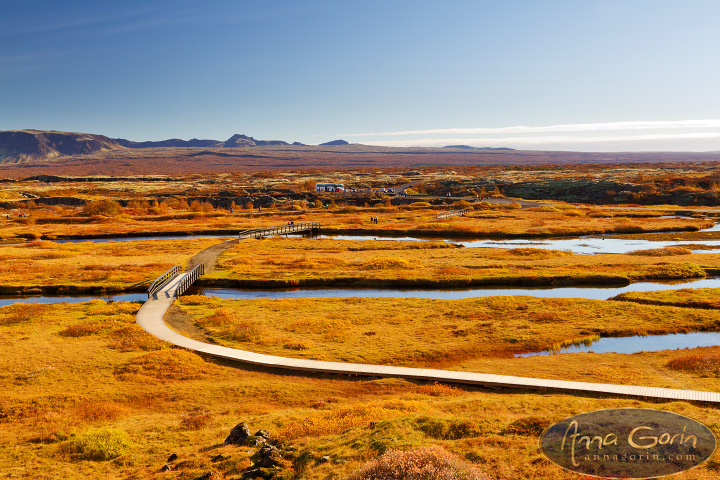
x: 373, y: 219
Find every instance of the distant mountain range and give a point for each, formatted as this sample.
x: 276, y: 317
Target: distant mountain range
x: 468, y: 147
x: 17, y: 146
x: 20, y: 146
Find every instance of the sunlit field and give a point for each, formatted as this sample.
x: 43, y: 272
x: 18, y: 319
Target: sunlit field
x: 100, y: 398
x: 88, y: 394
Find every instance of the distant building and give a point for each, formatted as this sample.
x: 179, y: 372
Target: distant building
x: 329, y: 187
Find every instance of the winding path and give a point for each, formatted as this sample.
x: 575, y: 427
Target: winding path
x: 150, y: 317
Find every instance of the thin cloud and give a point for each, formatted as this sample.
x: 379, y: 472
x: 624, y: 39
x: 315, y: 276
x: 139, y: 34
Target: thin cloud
x: 544, y: 140
x: 578, y: 127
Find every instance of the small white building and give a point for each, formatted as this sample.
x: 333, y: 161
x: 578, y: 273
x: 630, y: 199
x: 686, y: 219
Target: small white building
x: 329, y: 187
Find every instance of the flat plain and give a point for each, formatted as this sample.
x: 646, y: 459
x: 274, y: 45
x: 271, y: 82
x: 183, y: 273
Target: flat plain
x: 87, y: 393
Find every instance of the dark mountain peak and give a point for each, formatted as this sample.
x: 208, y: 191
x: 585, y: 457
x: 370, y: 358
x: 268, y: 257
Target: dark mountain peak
x: 25, y: 145
x: 239, y: 140
x: 336, y: 142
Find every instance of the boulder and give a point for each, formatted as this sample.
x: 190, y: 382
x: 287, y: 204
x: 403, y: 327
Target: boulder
x: 238, y: 435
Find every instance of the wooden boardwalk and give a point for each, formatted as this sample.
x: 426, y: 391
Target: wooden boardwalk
x: 453, y: 213
x: 280, y: 230
x: 150, y: 317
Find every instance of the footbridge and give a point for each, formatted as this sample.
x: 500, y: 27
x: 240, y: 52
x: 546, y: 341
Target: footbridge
x: 291, y: 227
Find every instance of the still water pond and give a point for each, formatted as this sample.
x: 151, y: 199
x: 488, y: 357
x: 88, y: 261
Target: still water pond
x: 648, y: 343
x: 127, y: 297
x: 595, y: 293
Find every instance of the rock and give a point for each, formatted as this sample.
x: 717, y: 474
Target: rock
x: 205, y: 476
x: 263, y: 433
x: 219, y: 458
x: 255, y: 473
x: 165, y: 468
x: 238, y: 435
x: 324, y: 459
x: 172, y: 458
x: 267, y: 450
x: 256, y: 441
x: 269, y: 461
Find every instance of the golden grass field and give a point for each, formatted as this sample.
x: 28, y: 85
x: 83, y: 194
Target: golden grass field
x: 291, y: 262
x: 73, y: 371
x: 88, y: 394
x: 44, y: 266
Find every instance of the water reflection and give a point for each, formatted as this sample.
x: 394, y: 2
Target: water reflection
x: 127, y: 297
x: 649, y: 343
x: 595, y: 293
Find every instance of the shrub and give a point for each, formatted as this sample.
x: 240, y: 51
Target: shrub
x: 132, y: 338
x: 23, y: 312
x: 528, y: 426
x: 448, y: 429
x: 171, y: 364
x: 103, y: 207
x: 96, y: 411
x: 85, y: 328
x: 426, y: 463
x: 195, y: 420
x: 704, y: 364
x: 101, y: 444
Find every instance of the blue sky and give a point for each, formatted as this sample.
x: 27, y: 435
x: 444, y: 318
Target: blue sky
x: 593, y: 75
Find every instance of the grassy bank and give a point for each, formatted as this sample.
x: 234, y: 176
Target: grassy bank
x: 496, y: 221
x: 90, y: 267
x: 706, y: 298
x: 281, y: 262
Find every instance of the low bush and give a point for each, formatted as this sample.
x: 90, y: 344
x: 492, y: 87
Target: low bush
x: 22, y: 312
x: 170, y: 364
x: 426, y: 463
x: 704, y: 364
x: 195, y: 420
x: 528, y: 426
x: 85, y: 328
x: 133, y: 338
x: 101, y: 444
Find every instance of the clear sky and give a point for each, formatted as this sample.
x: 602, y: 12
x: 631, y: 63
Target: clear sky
x: 593, y: 75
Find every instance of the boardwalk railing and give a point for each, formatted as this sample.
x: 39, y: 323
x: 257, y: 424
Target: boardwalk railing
x: 163, y: 279
x: 280, y: 230
x: 453, y: 213
x: 189, y: 278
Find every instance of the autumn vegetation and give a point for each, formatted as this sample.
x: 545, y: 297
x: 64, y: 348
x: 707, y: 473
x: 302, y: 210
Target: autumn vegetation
x: 88, y: 394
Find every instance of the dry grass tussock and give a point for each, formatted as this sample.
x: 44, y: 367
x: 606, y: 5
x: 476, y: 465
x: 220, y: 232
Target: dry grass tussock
x: 425, y: 463
x: 702, y: 364
x: 166, y: 365
x: 21, y: 312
